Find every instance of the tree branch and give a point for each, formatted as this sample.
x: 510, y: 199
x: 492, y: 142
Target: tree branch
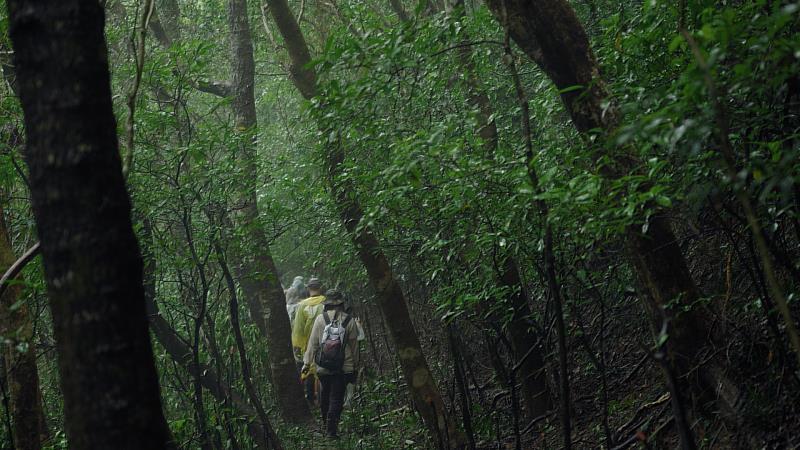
x: 218, y: 88
x: 17, y: 267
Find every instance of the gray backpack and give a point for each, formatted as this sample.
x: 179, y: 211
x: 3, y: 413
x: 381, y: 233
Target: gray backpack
x: 332, y: 342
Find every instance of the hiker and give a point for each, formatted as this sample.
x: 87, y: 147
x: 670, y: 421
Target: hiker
x: 296, y: 292
x: 333, y: 350
x: 307, y: 311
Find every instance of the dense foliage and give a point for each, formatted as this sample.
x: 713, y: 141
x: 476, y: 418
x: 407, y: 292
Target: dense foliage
x: 449, y: 209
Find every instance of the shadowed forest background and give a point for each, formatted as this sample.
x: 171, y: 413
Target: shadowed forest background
x: 562, y: 223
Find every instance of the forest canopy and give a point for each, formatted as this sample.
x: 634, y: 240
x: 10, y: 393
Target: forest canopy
x: 549, y: 224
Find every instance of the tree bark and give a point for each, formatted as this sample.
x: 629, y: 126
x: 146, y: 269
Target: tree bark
x: 549, y: 32
x: 526, y: 345
x: 257, y: 274
x: 22, y: 375
x: 303, y: 77
x: 391, y: 300
x: 93, y: 268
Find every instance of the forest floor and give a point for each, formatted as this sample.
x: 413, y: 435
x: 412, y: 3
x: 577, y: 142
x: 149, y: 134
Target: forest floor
x: 636, y: 412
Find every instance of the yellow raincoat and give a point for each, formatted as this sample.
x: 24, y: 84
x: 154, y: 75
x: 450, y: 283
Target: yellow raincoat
x: 307, y: 312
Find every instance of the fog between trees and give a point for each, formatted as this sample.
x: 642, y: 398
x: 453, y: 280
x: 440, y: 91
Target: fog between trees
x: 561, y: 224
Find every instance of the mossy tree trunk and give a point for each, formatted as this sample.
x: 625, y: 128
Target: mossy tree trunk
x: 257, y: 273
x: 93, y: 268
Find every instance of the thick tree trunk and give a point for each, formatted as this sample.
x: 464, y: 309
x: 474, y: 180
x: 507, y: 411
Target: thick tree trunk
x: 22, y: 375
x: 549, y: 32
x: 257, y: 274
x: 391, y: 300
x: 93, y: 268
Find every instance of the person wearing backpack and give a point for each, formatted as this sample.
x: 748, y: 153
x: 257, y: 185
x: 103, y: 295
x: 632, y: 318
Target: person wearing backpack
x: 333, y: 350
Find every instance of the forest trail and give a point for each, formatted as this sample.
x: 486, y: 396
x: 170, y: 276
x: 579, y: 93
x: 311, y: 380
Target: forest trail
x: 554, y: 223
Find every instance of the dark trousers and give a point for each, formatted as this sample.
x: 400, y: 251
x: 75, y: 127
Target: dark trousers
x: 331, y: 400
x: 309, y: 385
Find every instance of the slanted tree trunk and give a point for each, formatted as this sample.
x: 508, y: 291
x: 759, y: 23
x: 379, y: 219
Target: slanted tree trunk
x: 391, y: 300
x: 181, y: 352
x: 549, y: 32
x: 243, y: 360
x: 257, y: 274
x: 22, y: 375
x: 525, y: 344
x: 93, y: 268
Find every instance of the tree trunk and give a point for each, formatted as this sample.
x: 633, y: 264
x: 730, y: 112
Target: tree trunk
x: 181, y: 352
x: 257, y: 274
x: 243, y: 360
x: 22, y: 375
x: 391, y: 300
x: 549, y: 32
x: 93, y: 268
x: 524, y: 342
x: 526, y: 345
